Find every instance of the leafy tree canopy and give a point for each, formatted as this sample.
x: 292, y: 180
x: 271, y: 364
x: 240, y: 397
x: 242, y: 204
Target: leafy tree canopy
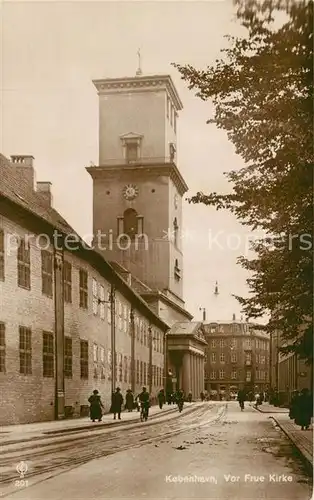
x: 262, y: 90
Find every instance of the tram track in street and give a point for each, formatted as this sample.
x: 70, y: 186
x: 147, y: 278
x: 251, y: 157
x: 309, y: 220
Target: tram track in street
x: 54, y: 459
x: 58, y: 437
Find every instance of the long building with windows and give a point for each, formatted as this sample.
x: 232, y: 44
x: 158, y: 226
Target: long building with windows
x: 237, y: 357
x: 64, y: 310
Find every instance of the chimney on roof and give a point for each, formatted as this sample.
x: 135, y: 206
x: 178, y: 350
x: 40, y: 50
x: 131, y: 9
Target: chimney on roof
x: 25, y: 160
x: 233, y: 317
x: 44, y: 193
x: 22, y: 166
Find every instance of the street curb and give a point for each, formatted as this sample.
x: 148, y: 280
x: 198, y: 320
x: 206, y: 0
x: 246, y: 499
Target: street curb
x: 270, y: 412
x: 133, y: 423
x: 306, y: 456
x: 103, y: 424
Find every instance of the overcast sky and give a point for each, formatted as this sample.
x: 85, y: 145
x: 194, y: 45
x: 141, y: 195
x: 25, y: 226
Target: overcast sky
x: 51, y: 51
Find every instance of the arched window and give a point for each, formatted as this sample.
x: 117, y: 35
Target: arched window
x: 130, y: 222
x: 175, y: 231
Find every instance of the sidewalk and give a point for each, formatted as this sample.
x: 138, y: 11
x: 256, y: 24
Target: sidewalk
x: 25, y: 432
x: 303, y: 440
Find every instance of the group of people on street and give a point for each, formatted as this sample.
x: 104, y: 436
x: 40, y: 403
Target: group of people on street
x: 142, y: 400
x: 139, y: 402
x: 301, y: 408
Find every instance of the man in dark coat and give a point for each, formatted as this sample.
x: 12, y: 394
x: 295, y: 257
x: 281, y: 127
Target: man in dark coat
x: 117, y: 402
x: 95, y: 406
x: 161, y: 398
x: 304, y: 409
x: 241, y: 398
x: 145, y: 399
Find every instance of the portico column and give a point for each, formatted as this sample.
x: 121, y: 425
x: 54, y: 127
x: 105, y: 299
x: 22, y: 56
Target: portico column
x: 186, y: 375
x: 194, y: 376
x: 198, y: 377
x: 202, y: 373
x: 191, y: 373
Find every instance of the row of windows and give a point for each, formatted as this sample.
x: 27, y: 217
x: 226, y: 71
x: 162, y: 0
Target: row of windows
x: 24, y: 266
x: 233, y: 343
x: 261, y: 359
x: 221, y: 374
x: 99, y: 297
x: 122, y: 363
x: 261, y: 344
x: 236, y: 328
x: 222, y: 357
x: 25, y: 351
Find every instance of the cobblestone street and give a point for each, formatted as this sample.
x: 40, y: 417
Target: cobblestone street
x: 216, y: 451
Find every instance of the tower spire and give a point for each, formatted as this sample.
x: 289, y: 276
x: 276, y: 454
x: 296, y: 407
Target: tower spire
x: 139, y: 69
x: 216, y: 292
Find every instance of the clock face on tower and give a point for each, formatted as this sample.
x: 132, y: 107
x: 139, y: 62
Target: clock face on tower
x: 130, y: 192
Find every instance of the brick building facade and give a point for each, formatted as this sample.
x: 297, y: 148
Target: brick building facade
x: 237, y: 357
x: 64, y: 311
x: 288, y: 373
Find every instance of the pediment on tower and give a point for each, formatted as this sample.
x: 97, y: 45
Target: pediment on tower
x: 131, y: 136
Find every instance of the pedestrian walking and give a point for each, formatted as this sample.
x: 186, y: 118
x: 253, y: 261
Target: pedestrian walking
x: 190, y: 397
x: 304, y: 409
x: 180, y: 399
x: 117, y: 402
x: 293, y: 405
x: 202, y: 395
x: 241, y: 398
x: 129, y: 400
x: 145, y: 402
x: 95, y: 406
x: 161, y: 398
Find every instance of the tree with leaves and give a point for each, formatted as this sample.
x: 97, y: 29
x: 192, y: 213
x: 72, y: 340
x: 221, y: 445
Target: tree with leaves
x: 262, y: 91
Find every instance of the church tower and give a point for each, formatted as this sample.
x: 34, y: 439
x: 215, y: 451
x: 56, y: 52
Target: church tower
x: 137, y: 187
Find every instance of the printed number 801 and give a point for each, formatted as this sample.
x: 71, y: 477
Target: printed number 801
x: 21, y: 483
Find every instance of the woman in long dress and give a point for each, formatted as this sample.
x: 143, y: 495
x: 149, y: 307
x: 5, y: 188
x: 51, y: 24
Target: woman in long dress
x: 129, y: 400
x: 95, y: 406
x: 304, y: 410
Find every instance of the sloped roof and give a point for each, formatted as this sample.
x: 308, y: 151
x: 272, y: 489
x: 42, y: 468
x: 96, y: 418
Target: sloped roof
x: 185, y: 327
x: 16, y: 190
